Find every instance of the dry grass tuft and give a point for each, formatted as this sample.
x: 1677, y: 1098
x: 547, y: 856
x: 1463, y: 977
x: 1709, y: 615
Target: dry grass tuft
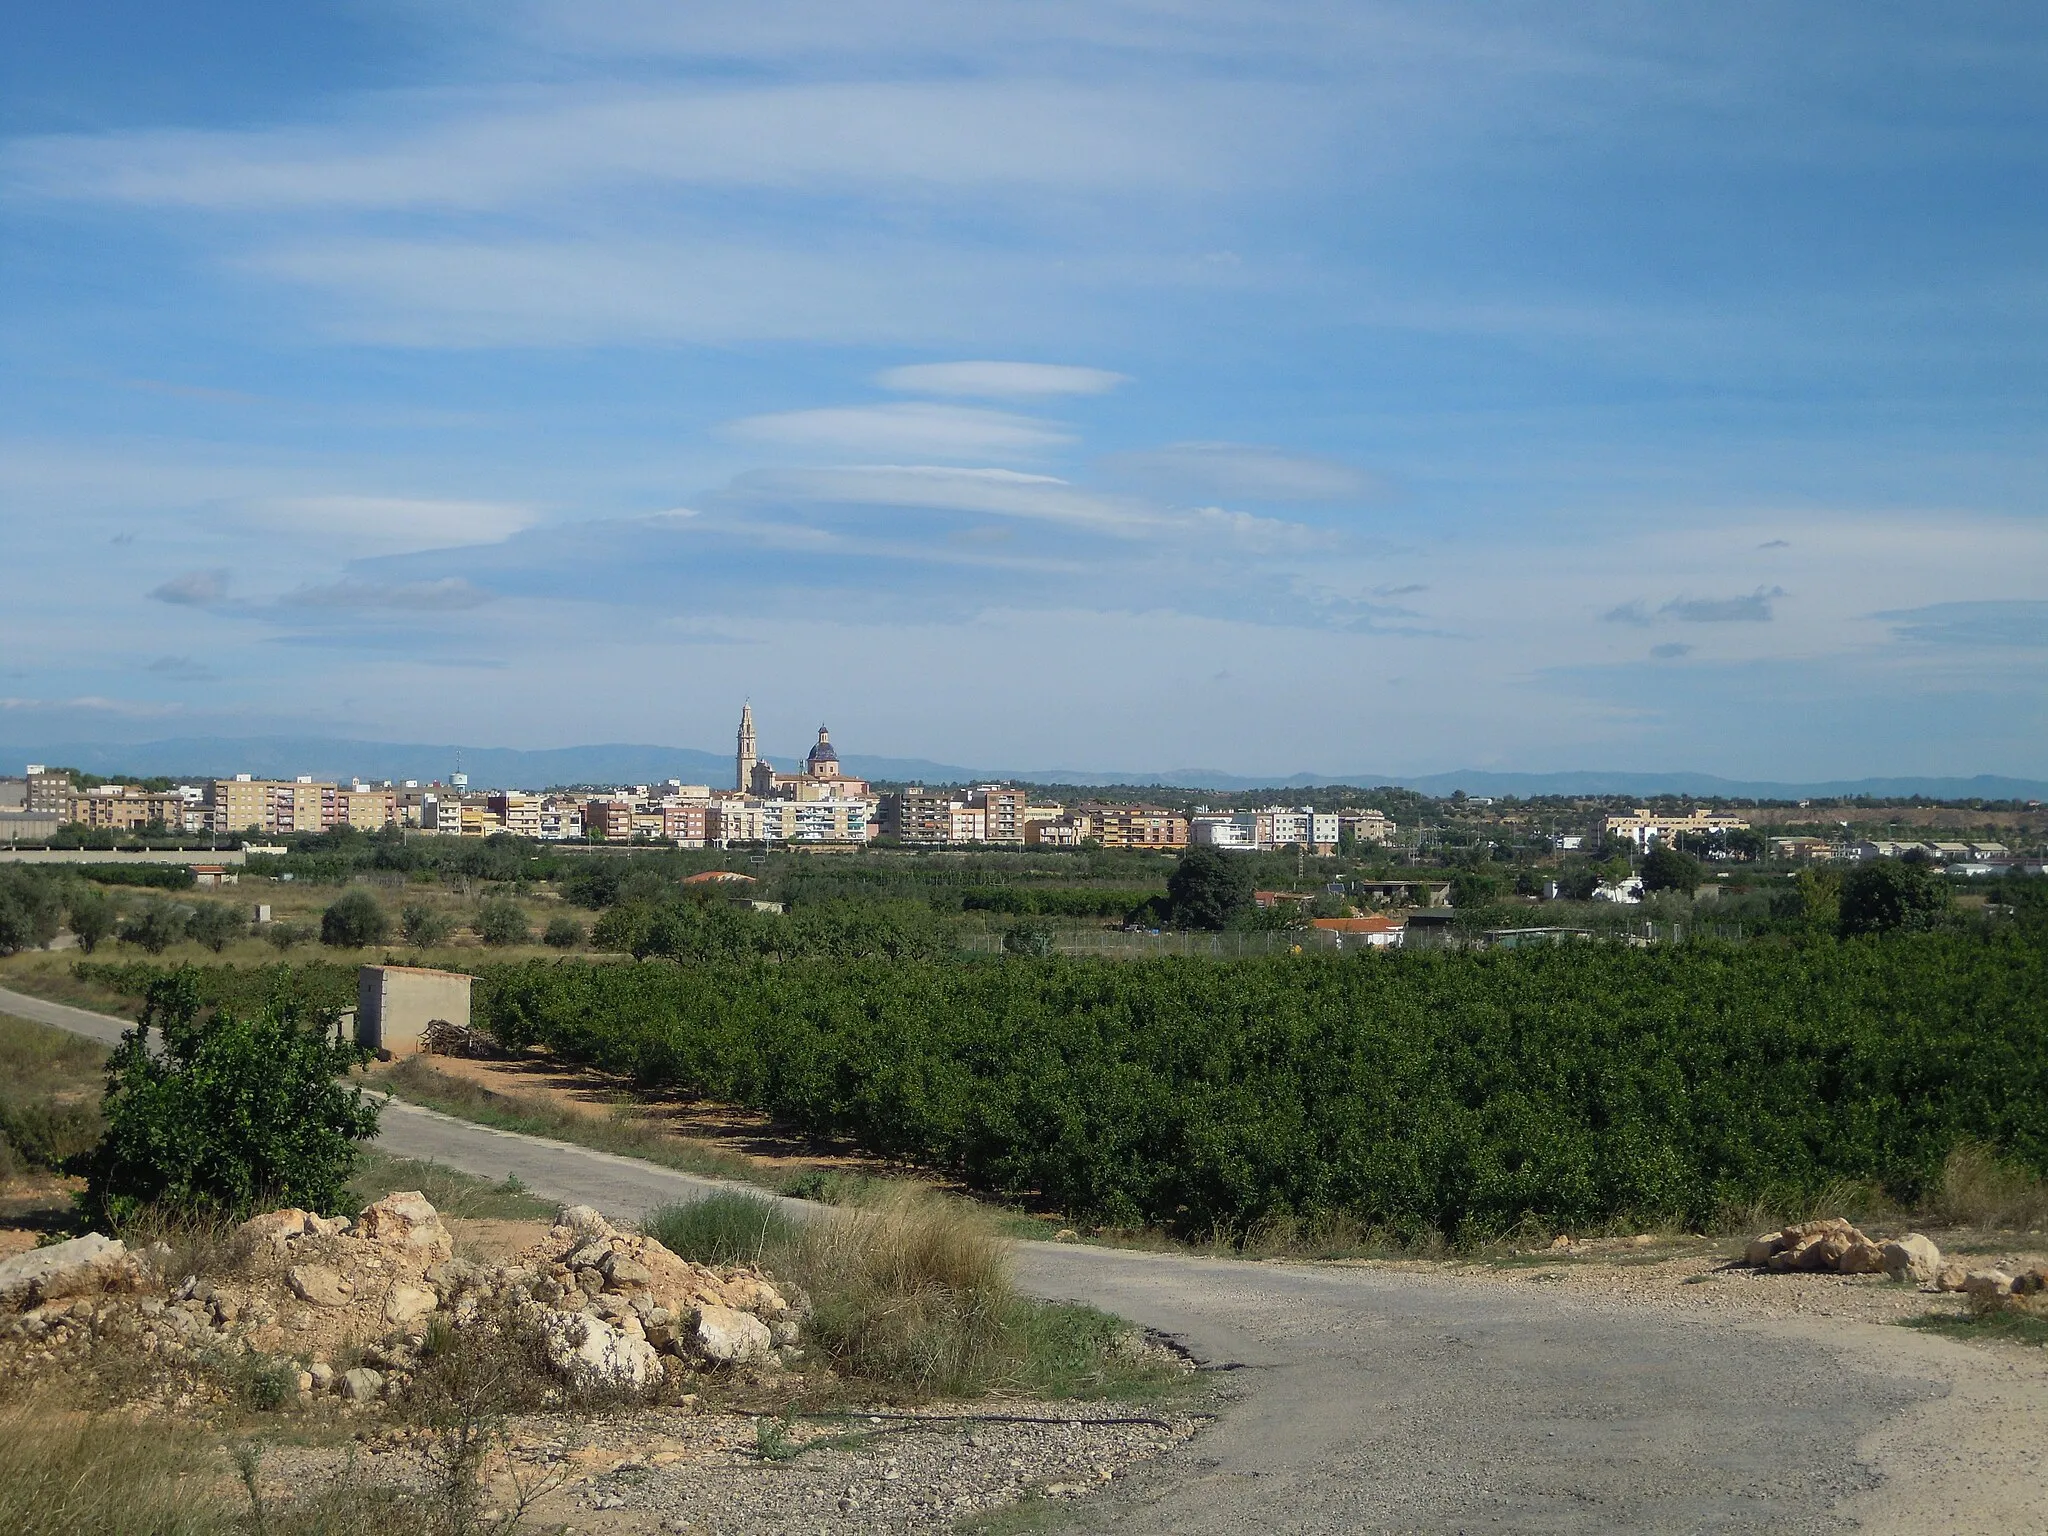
x: 912, y: 1290
x: 1979, y: 1189
x: 63, y: 1472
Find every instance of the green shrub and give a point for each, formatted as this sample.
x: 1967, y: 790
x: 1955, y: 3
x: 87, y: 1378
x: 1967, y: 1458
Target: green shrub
x: 501, y: 921
x: 228, y: 1116
x: 154, y: 926
x: 91, y: 914
x: 563, y: 932
x: 285, y: 936
x: 425, y: 926
x: 30, y: 909
x: 355, y: 921
x: 214, y: 924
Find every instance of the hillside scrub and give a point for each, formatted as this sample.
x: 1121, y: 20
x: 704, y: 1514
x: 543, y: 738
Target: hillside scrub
x: 1455, y: 1092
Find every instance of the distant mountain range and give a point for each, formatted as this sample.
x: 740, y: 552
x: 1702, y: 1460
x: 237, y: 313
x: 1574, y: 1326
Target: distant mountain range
x: 622, y: 763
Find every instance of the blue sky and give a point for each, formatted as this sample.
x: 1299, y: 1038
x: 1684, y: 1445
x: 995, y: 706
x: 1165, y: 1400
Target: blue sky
x: 1358, y: 387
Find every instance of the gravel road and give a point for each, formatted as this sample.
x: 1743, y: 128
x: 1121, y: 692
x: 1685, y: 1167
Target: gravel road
x: 1378, y: 1401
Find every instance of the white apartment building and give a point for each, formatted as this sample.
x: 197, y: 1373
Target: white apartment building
x: 748, y: 820
x: 1276, y: 827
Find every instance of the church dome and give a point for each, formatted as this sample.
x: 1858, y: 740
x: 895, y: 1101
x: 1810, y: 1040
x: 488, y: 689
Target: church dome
x: 824, y: 754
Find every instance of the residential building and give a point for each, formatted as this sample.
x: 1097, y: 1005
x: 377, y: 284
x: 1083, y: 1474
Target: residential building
x: 1367, y: 827
x: 683, y: 822
x: 737, y: 820
x: 608, y: 821
x: 122, y: 808
x: 1004, y: 810
x: 1644, y: 827
x: 1136, y: 826
x: 45, y: 791
x: 826, y: 821
x: 560, y: 822
x: 919, y: 816
x: 518, y: 814
x: 1802, y: 850
x: 1284, y: 827
x: 365, y: 809
x: 1063, y: 831
x: 271, y: 806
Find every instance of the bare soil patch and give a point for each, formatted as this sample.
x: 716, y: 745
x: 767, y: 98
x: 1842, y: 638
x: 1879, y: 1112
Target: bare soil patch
x: 725, y: 1130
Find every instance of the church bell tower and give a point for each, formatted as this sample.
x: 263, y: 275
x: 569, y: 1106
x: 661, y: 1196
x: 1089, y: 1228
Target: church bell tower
x: 747, y: 756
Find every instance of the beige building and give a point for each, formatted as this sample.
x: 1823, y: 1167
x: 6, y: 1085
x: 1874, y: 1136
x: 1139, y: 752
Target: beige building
x: 122, y: 808
x: 270, y: 806
x: 518, y: 814
x: 1111, y: 826
x: 365, y: 809
x: 1645, y: 827
x: 396, y: 1003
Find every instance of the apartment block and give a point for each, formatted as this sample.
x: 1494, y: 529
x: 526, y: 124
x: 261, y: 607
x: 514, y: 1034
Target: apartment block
x: 271, y: 805
x: 1645, y: 827
x: 608, y: 821
x: 365, y: 809
x: 683, y: 822
x: 122, y: 808
x: 518, y: 814
x: 45, y: 792
x: 988, y: 813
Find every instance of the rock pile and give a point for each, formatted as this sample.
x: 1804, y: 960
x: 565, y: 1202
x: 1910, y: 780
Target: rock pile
x: 1836, y: 1247
x: 1832, y: 1245
x: 610, y: 1309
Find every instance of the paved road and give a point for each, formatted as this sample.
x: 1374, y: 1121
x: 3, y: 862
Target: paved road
x: 1366, y: 1401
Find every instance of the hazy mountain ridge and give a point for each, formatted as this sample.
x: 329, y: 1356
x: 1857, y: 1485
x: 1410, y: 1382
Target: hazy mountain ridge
x: 629, y: 763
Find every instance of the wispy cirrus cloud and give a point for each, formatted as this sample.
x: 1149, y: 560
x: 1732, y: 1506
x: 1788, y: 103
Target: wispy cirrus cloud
x: 1242, y: 472
x: 1000, y: 381
x: 900, y: 429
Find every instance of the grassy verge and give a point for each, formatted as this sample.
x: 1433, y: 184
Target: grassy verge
x: 2001, y: 1324
x: 911, y: 1296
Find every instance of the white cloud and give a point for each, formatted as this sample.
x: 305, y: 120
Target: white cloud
x: 1242, y: 471
x: 938, y: 431
x: 1010, y: 493
x: 353, y: 526
x: 999, y: 380
x: 468, y: 151
x: 436, y: 290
